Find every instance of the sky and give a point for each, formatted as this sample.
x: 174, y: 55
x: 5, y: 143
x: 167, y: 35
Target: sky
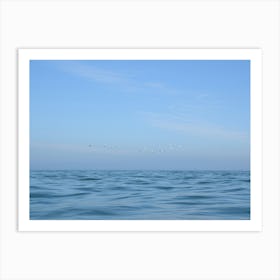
x: 140, y: 114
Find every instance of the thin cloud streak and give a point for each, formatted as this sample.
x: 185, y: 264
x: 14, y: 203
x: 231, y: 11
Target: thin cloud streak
x: 93, y: 73
x: 189, y: 127
x: 124, y: 81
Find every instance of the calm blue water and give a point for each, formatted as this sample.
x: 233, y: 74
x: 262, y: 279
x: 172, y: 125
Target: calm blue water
x: 135, y: 195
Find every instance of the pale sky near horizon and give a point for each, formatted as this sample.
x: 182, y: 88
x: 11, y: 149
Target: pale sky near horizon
x: 117, y: 114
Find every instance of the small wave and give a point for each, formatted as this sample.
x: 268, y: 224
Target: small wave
x: 74, y: 194
x: 194, y: 197
x: 89, y: 179
x: 233, y: 190
x: 204, y: 182
x: 123, y: 197
x: 188, y: 177
x: 40, y: 195
x: 87, y: 189
x: 138, y: 182
x: 245, y: 181
x: 50, y: 195
x: 233, y: 210
x: 164, y: 188
x: 118, y: 188
x: 101, y: 212
x: 184, y: 203
x: 34, y: 187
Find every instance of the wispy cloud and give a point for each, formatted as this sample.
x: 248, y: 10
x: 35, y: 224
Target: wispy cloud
x: 90, y: 72
x: 125, y: 81
x: 190, y: 127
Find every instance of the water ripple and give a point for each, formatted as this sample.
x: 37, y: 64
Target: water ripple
x: 139, y: 195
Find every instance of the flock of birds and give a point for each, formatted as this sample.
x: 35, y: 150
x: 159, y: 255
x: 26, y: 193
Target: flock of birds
x: 151, y: 150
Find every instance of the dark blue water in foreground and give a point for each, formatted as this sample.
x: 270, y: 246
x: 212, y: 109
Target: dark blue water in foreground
x: 140, y: 195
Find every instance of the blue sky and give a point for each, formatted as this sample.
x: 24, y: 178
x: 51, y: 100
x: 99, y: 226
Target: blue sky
x: 140, y: 114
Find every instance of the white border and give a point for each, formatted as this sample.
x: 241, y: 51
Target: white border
x: 254, y: 55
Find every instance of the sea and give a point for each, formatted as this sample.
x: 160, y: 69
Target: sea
x: 139, y: 195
